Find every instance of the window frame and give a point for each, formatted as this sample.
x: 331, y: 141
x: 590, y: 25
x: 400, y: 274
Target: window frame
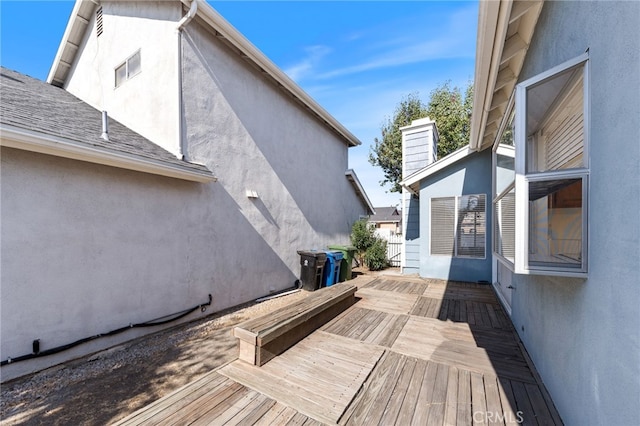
x: 523, y: 177
x: 508, y: 121
x: 127, y: 74
x: 454, y: 231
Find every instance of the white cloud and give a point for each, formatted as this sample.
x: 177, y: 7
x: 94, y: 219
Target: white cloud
x: 306, y: 66
x: 419, y: 39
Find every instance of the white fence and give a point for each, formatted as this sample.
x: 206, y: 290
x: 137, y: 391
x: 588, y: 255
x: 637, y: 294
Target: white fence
x: 394, y: 249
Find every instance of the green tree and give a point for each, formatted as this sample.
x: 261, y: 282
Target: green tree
x: 387, y: 150
x: 452, y: 113
x: 447, y: 107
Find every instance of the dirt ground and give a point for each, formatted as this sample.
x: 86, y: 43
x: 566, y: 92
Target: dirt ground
x: 110, y: 385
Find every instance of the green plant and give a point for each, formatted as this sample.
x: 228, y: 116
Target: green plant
x: 376, y: 255
x: 362, y: 237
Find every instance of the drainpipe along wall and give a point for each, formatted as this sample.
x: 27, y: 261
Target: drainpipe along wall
x: 181, y: 24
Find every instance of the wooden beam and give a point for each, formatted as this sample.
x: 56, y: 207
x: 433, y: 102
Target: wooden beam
x: 500, y: 98
x: 505, y: 76
x: 514, y: 45
x: 519, y: 8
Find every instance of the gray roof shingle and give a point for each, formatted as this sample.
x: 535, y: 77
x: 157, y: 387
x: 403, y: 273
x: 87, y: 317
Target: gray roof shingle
x: 385, y: 214
x: 33, y: 105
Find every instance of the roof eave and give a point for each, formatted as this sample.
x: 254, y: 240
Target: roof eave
x: 14, y: 137
x: 58, y: 73
x: 353, y: 178
x: 505, y: 30
x: 415, y: 178
x: 70, y: 41
x: 253, y: 54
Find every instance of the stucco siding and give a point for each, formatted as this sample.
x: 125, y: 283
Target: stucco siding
x: 148, y: 102
x: 255, y: 137
x: 94, y: 248
x: 471, y: 175
x: 584, y: 334
x: 87, y: 249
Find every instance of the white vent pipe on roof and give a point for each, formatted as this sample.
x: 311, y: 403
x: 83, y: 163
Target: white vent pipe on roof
x: 181, y: 24
x: 105, y: 126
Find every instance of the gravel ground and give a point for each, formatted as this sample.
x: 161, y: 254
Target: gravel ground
x: 112, y: 384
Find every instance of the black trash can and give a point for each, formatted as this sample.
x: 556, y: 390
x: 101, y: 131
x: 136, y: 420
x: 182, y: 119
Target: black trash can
x: 311, y: 269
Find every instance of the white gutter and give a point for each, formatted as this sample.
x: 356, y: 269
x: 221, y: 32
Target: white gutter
x: 181, y: 24
x: 15, y: 137
x: 189, y: 16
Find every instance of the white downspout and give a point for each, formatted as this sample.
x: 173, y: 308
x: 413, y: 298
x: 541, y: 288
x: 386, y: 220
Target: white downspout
x: 181, y: 24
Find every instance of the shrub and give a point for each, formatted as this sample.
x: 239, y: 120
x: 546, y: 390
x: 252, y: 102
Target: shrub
x: 362, y: 237
x: 376, y: 255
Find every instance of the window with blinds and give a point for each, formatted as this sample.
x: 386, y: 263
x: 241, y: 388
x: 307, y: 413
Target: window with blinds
x: 458, y: 226
x: 555, y: 125
x: 443, y: 220
x: 505, y: 225
x: 551, y: 194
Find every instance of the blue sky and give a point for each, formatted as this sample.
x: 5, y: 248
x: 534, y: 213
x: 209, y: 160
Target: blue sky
x: 357, y: 59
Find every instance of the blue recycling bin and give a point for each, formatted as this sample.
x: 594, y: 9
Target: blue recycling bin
x: 331, y: 273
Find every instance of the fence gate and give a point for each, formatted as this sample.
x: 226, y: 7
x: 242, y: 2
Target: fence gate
x: 394, y: 249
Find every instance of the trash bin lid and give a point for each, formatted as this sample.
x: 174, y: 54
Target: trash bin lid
x: 335, y: 254
x: 312, y: 253
x: 341, y: 247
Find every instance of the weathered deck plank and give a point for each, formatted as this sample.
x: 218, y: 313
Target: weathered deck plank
x: 410, y: 352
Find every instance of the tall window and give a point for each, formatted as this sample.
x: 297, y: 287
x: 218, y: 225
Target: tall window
x: 458, y: 226
x: 552, y: 171
x: 504, y: 205
x: 129, y: 68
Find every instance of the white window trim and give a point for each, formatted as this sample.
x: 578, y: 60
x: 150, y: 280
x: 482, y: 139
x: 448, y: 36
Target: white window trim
x: 506, y: 261
x: 125, y: 63
x: 522, y: 178
x: 497, y: 149
x: 455, y: 235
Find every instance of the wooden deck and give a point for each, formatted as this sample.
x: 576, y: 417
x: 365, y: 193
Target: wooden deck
x: 409, y: 352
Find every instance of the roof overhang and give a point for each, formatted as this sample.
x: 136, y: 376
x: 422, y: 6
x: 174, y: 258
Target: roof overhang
x: 14, y: 137
x: 74, y: 33
x: 351, y: 176
x: 412, y: 182
x: 81, y: 17
x: 505, y: 30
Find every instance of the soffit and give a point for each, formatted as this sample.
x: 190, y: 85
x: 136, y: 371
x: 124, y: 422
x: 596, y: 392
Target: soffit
x: 501, y: 50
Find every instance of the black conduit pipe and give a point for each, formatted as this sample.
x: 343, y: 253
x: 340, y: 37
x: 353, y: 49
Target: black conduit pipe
x: 158, y: 321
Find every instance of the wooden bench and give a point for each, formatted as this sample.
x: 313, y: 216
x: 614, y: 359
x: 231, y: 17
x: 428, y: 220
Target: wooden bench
x: 261, y: 339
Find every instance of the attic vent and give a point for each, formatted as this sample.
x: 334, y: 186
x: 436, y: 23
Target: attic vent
x: 99, y: 21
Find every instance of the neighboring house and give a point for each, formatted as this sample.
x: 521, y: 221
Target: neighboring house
x: 386, y: 221
x: 454, y: 217
x: 98, y: 234
x: 562, y: 79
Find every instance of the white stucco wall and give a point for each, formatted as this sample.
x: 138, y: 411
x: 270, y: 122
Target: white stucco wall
x: 256, y: 137
x: 148, y: 102
x: 87, y: 249
x: 584, y: 335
